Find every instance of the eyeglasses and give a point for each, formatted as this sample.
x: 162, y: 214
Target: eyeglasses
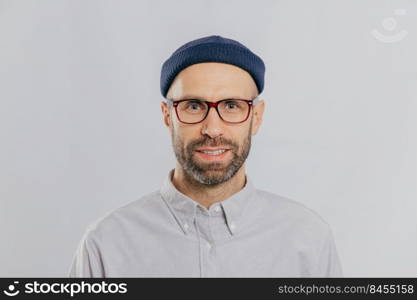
x: 193, y: 111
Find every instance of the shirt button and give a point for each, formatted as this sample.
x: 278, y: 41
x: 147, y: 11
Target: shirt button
x: 232, y: 226
x: 217, y: 208
x: 208, y: 245
x: 186, y: 226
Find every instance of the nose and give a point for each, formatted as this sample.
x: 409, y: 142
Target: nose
x: 212, y: 124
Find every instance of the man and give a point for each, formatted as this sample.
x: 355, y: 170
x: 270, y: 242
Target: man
x: 208, y: 219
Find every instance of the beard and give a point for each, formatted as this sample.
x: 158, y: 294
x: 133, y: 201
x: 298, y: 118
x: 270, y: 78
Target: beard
x: 211, y: 173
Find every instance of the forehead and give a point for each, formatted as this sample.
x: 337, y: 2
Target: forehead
x: 213, y: 81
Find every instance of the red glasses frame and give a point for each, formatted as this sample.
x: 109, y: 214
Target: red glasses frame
x: 215, y: 105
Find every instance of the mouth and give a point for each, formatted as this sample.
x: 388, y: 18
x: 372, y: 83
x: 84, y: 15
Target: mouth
x: 213, y: 154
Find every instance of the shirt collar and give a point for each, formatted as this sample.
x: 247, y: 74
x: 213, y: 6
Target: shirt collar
x: 184, y: 208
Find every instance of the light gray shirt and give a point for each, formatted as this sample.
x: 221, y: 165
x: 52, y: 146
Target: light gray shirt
x: 253, y: 233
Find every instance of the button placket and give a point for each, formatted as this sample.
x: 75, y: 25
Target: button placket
x: 211, y: 250
x: 207, y: 246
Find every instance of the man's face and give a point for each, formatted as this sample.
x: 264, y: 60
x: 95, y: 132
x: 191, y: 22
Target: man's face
x: 212, y: 82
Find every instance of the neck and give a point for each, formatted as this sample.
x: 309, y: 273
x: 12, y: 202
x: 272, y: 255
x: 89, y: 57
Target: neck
x: 204, y: 194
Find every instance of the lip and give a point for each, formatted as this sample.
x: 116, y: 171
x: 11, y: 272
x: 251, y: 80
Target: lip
x: 213, y: 158
x: 211, y: 149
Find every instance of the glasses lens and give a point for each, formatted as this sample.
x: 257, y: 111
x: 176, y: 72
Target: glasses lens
x: 234, y: 111
x: 191, y: 111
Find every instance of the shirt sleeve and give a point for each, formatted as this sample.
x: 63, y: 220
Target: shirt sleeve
x: 328, y: 261
x: 86, y: 261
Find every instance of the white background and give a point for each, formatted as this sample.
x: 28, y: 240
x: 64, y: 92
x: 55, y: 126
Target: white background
x: 81, y: 130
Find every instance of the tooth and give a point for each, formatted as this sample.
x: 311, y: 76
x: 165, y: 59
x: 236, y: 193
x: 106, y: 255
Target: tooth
x: 214, y: 152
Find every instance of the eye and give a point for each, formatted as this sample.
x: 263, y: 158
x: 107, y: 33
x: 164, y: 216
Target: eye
x: 232, y: 105
x: 194, y: 105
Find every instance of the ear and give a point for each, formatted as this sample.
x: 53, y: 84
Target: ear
x: 258, y: 112
x: 166, y: 114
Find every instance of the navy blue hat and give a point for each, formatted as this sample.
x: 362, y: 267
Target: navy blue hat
x: 212, y: 49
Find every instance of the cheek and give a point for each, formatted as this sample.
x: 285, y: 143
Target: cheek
x: 178, y: 128
x: 243, y: 137
x: 189, y: 130
x: 243, y: 132
x: 185, y: 134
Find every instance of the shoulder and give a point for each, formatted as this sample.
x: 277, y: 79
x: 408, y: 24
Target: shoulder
x: 120, y: 219
x: 292, y: 214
